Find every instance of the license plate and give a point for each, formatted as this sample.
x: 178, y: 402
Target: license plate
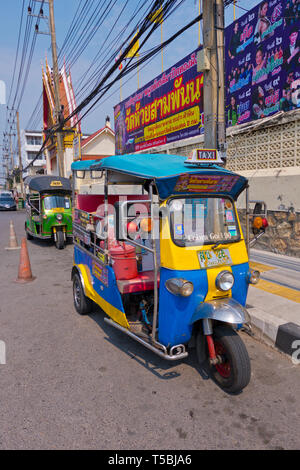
x: 212, y: 258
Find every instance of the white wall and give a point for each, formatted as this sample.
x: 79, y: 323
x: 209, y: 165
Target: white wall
x: 103, y: 144
x: 280, y: 190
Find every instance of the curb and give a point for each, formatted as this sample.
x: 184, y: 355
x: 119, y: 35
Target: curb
x: 275, y: 331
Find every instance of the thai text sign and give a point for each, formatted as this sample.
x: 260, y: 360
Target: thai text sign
x: 167, y: 109
x: 262, y: 51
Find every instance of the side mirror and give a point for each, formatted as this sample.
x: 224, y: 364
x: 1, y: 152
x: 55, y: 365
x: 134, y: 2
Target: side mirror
x: 258, y: 208
x: 259, y: 222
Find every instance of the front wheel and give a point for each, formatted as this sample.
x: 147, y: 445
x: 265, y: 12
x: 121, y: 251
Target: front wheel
x: 28, y: 236
x: 60, y: 240
x: 234, y: 372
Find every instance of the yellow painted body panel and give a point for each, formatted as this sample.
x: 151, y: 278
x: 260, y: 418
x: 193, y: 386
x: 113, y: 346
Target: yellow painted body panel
x: 116, y: 314
x: 186, y: 258
x: 212, y: 291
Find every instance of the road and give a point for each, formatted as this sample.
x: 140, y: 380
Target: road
x: 282, y: 270
x: 73, y: 382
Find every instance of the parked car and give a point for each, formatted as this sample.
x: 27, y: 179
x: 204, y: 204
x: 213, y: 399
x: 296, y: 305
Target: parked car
x: 7, y: 202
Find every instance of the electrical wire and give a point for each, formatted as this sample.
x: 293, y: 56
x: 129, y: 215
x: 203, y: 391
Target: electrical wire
x: 101, y: 88
x: 17, y: 52
x: 111, y: 58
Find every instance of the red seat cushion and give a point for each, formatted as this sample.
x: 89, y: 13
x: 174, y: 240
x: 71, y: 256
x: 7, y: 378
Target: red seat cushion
x: 144, y: 281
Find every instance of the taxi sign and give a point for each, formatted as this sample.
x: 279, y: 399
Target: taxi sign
x: 56, y: 183
x: 199, y: 156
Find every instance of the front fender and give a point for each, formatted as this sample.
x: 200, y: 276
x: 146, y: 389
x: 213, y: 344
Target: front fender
x: 225, y: 310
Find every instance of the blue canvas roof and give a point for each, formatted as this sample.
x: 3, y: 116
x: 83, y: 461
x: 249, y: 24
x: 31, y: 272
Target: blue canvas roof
x: 172, y: 175
x: 83, y: 164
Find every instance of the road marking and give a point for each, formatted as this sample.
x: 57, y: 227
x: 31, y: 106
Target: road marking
x: 261, y: 267
x: 277, y: 289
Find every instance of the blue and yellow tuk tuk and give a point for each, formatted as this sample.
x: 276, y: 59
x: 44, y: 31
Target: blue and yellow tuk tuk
x: 159, y: 247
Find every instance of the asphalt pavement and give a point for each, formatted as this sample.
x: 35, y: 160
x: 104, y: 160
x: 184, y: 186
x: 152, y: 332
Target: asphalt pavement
x: 73, y: 382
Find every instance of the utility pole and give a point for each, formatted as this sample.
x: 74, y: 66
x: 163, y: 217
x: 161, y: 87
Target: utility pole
x: 12, y: 161
x: 59, y: 135
x: 6, y: 182
x: 20, y: 157
x: 213, y: 86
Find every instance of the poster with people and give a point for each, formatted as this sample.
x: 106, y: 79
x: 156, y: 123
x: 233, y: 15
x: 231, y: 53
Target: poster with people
x: 262, y: 60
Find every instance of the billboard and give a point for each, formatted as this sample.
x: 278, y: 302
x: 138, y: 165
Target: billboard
x: 167, y: 109
x: 262, y: 62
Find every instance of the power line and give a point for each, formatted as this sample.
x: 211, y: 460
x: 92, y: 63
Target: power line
x: 100, y: 88
x: 17, y: 52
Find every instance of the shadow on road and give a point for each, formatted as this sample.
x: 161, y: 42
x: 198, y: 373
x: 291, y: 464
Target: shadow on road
x: 163, y: 369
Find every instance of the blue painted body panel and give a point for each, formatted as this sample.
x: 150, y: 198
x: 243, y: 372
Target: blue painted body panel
x: 175, y: 312
x: 109, y: 292
x: 240, y: 287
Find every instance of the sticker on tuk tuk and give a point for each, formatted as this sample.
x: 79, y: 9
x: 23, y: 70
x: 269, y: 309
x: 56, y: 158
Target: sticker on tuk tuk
x: 179, y: 229
x: 213, y: 258
x: 205, y: 183
x: 229, y: 216
x: 56, y: 183
x: 232, y: 231
x: 100, y: 272
x: 100, y: 255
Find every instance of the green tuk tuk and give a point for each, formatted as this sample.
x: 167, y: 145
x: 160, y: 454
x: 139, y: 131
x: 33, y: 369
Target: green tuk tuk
x: 48, y: 209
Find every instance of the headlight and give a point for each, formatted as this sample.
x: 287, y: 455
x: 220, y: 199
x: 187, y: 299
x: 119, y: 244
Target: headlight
x: 59, y: 217
x: 224, y: 280
x: 253, y: 277
x: 179, y: 286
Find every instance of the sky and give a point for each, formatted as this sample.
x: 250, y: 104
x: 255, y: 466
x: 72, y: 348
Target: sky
x: 64, y: 11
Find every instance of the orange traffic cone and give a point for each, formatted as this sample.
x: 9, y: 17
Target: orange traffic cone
x: 13, y: 244
x: 25, y: 274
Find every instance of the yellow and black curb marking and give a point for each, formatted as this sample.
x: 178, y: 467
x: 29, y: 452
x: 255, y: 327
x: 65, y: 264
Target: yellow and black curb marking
x: 273, y: 287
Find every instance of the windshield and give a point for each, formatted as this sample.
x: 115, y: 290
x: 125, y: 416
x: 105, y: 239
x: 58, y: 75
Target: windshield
x: 54, y: 202
x: 6, y: 198
x: 199, y: 221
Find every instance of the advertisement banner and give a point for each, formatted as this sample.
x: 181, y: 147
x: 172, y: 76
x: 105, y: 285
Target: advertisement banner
x: 263, y: 62
x: 167, y: 109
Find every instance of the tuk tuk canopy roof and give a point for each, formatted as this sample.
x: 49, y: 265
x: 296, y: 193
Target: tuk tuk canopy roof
x: 84, y: 165
x: 45, y: 183
x: 172, y: 175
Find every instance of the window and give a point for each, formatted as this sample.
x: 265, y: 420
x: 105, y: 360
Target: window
x: 198, y: 221
x: 5, y: 198
x: 32, y: 155
x: 34, y: 140
x: 54, y: 202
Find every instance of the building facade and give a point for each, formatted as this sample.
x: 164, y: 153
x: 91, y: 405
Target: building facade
x: 100, y: 144
x: 31, y: 142
x: 70, y: 129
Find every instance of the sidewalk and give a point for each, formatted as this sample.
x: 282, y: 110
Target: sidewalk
x: 274, y: 304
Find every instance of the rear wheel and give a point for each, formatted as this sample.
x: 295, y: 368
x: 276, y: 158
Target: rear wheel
x: 60, y: 240
x: 82, y: 303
